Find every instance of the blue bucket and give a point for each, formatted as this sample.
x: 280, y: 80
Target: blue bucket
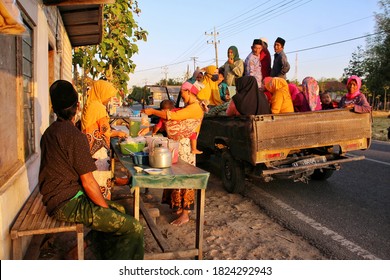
x: 141, y: 158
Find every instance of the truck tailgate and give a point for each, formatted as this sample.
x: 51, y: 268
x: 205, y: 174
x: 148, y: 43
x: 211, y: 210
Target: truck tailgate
x: 282, y: 133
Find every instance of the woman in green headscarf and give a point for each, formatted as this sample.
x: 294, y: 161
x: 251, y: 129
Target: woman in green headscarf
x: 234, y: 66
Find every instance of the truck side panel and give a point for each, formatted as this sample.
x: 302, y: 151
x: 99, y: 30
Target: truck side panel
x: 285, y: 132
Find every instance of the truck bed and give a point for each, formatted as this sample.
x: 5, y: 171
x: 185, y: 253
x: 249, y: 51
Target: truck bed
x: 263, y: 138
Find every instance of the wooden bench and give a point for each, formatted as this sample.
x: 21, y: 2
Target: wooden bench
x: 34, y: 220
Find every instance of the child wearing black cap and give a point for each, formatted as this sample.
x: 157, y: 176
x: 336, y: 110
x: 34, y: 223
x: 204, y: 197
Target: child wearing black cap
x: 281, y: 65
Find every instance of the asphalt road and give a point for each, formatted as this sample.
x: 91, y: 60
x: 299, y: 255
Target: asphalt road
x: 346, y: 216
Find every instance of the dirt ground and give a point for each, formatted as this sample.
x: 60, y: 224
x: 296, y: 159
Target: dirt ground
x: 234, y: 229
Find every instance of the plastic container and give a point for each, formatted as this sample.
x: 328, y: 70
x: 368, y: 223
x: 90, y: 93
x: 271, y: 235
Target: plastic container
x: 173, y: 146
x: 141, y: 158
x: 127, y: 148
x: 156, y: 140
x: 135, y: 126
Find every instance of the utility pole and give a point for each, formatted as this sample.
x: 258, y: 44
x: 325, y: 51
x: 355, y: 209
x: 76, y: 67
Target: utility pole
x: 165, y: 72
x: 215, y: 42
x: 296, y: 67
x: 187, y: 75
x: 194, y: 58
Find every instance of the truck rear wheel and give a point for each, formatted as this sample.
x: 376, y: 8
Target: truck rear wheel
x: 321, y: 174
x: 232, y: 173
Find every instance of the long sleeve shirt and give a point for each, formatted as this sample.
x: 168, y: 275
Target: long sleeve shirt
x: 233, y: 71
x: 253, y: 68
x: 280, y: 66
x: 360, y: 102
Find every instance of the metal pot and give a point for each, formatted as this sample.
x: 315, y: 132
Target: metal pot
x: 160, y: 157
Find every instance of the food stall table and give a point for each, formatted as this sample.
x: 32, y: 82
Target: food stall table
x: 177, y: 176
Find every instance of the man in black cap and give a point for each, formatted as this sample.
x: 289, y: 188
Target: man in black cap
x: 252, y: 64
x: 281, y: 65
x: 71, y: 193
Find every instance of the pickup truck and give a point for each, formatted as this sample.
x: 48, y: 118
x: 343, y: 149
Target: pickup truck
x: 298, y: 146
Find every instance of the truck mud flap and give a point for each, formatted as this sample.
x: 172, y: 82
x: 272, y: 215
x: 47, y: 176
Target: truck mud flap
x: 311, y: 166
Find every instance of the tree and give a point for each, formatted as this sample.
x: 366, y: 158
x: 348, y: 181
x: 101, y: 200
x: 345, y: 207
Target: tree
x: 373, y: 64
x: 357, y: 64
x: 111, y: 59
x: 171, y: 82
x: 378, y: 62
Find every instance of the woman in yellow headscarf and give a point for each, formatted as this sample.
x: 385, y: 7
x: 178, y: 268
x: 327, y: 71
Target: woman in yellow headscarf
x: 281, y: 101
x: 95, y: 120
x: 211, y: 91
x: 95, y: 124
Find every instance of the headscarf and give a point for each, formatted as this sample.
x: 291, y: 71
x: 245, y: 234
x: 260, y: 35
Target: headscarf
x: 194, y: 76
x: 248, y: 99
x: 281, y: 101
x: 359, y: 84
x: 294, y: 90
x: 211, y: 90
x: 236, y: 56
x: 94, y: 109
x: 311, y: 90
x: 268, y: 85
x: 299, y: 101
x: 190, y: 87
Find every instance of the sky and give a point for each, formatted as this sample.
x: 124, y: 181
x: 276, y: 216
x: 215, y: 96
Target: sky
x: 182, y: 34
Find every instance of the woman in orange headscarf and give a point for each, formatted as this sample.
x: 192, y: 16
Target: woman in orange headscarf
x: 281, y: 101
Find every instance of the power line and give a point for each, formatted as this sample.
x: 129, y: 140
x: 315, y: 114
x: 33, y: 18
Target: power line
x: 330, y: 28
x: 266, y: 16
x: 335, y: 43
x: 158, y: 67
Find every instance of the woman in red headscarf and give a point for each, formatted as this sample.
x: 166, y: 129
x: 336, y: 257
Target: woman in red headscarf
x: 354, y: 99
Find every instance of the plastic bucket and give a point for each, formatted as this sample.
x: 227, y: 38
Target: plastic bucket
x: 141, y: 158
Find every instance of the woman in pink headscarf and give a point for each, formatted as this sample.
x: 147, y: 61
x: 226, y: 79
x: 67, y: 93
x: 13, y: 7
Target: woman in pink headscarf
x: 354, y: 99
x: 298, y: 99
x: 310, y: 90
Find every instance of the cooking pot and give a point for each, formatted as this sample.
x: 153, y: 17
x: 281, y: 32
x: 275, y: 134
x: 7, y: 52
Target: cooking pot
x: 160, y: 157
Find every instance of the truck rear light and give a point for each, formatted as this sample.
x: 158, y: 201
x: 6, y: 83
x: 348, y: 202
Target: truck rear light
x: 352, y: 146
x: 273, y: 156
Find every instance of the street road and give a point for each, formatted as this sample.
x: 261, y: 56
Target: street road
x: 346, y: 216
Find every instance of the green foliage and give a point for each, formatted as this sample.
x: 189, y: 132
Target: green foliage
x: 170, y: 82
x: 357, y: 64
x: 112, y: 57
x: 373, y: 63
x: 139, y: 93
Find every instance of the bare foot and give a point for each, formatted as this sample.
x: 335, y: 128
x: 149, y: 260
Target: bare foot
x: 196, y: 152
x: 177, y: 212
x: 182, y: 219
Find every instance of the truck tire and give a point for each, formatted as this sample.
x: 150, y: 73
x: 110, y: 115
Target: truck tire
x: 232, y: 173
x: 321, y: 175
